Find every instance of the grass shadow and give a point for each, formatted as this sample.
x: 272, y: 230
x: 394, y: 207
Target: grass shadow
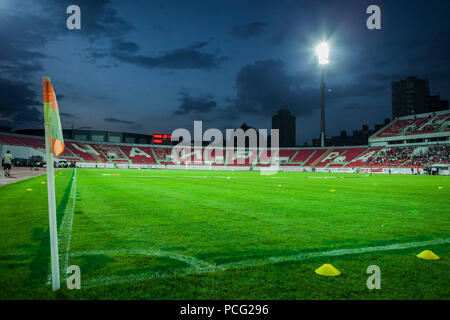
x: 39, y: 265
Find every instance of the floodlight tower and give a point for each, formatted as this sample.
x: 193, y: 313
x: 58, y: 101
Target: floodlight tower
x: 322, y: 54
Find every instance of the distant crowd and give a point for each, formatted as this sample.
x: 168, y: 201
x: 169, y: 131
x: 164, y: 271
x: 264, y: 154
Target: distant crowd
x: 392, y: 157
x: 435, y: 154
x: 402, y: 156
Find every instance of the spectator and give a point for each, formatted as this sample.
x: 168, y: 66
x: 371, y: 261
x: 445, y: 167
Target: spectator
x: 7, y: 163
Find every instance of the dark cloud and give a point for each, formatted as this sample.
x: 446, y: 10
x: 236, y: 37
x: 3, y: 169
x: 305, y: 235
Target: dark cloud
x: 114, y: 120
x: 352, y: 106
x: 24, y: 34
x: 249, y: 30
x: 430, y: 51
x: 22, y: 38
x: 357, y: 90
x: 198, y: 45
x: 264, y: 87
x: 190, y: 104
x: 280, y: 37
x: 18, y: 102
x: 68, y: 115
x: 189, y: 57
x: 95, y: 53
x: 431, y: 48
x: 125, y: 46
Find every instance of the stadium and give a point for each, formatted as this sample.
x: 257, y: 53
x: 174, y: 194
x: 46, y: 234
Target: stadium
x: 119, y: 207
x: 149, y: 216
x: 402, y: 146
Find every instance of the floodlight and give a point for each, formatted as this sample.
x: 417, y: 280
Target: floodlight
x: 322, y: 52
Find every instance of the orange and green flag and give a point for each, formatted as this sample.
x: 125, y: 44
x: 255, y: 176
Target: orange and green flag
x: 51, y: 114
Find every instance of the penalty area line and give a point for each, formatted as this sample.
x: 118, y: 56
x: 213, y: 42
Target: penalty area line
x: 196, y: 269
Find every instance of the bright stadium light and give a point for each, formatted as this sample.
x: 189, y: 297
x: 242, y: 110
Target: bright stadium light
x: 322, y: 52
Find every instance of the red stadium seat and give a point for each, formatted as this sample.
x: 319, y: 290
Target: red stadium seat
x: 351, y: 157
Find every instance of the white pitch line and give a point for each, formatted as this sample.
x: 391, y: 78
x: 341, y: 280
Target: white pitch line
x: 195, y: 263
x: 65, y: 231
x: 156, y: 176
x: 74, y: 195
x: 322, y: 177
x: 333, y: 253
x: 211, y: 268
x: 141, y: 277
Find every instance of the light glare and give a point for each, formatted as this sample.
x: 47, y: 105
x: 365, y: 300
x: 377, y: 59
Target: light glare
x: 322, y: 52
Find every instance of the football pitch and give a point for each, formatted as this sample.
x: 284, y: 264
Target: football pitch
x: 187, y: 234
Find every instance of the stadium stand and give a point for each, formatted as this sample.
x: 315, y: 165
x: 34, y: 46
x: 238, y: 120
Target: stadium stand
x: 241, y: 157
x: 364, y: 158
x: 301, y: 156
x: 86, y: 151
x: 69, y: 155
x: 338, y: 157
x: 352, y: 153
x: 33, y: 142
x: 10, y: 140
x: 187, y: 155
x: 427, y: 156
x: 418, y: 124
x: 163, y: 155
x: 395, y: 128
x: 392, y: 157
x: 112, y: 152
x: 214, y: 157
x: 316, y: 156
x: 139, y: 154
x: 331, y: 155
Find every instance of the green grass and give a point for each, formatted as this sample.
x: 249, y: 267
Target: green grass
x: 167, y: 234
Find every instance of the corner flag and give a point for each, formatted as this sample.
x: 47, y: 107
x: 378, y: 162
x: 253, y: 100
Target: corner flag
x: 51, y: 111
x: 54, y: 145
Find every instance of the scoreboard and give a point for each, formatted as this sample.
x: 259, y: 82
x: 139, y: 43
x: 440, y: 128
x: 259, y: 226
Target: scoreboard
x: 162, y: 138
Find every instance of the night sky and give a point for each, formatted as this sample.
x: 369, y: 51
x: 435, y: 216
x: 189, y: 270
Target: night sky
x: 154, y: 66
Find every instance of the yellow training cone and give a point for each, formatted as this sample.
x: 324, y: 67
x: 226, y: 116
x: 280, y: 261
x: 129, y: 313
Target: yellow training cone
x: 428, y: 255
x: 43, y: 182
x: 328, y: 270
x: 332, y: 190
x: 29, y: 189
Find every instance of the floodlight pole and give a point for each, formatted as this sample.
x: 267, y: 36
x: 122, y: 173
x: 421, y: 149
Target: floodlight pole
x: 322, y: 118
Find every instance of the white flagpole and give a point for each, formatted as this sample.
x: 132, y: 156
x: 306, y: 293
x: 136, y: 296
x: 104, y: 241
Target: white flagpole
x: 52, y: 207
